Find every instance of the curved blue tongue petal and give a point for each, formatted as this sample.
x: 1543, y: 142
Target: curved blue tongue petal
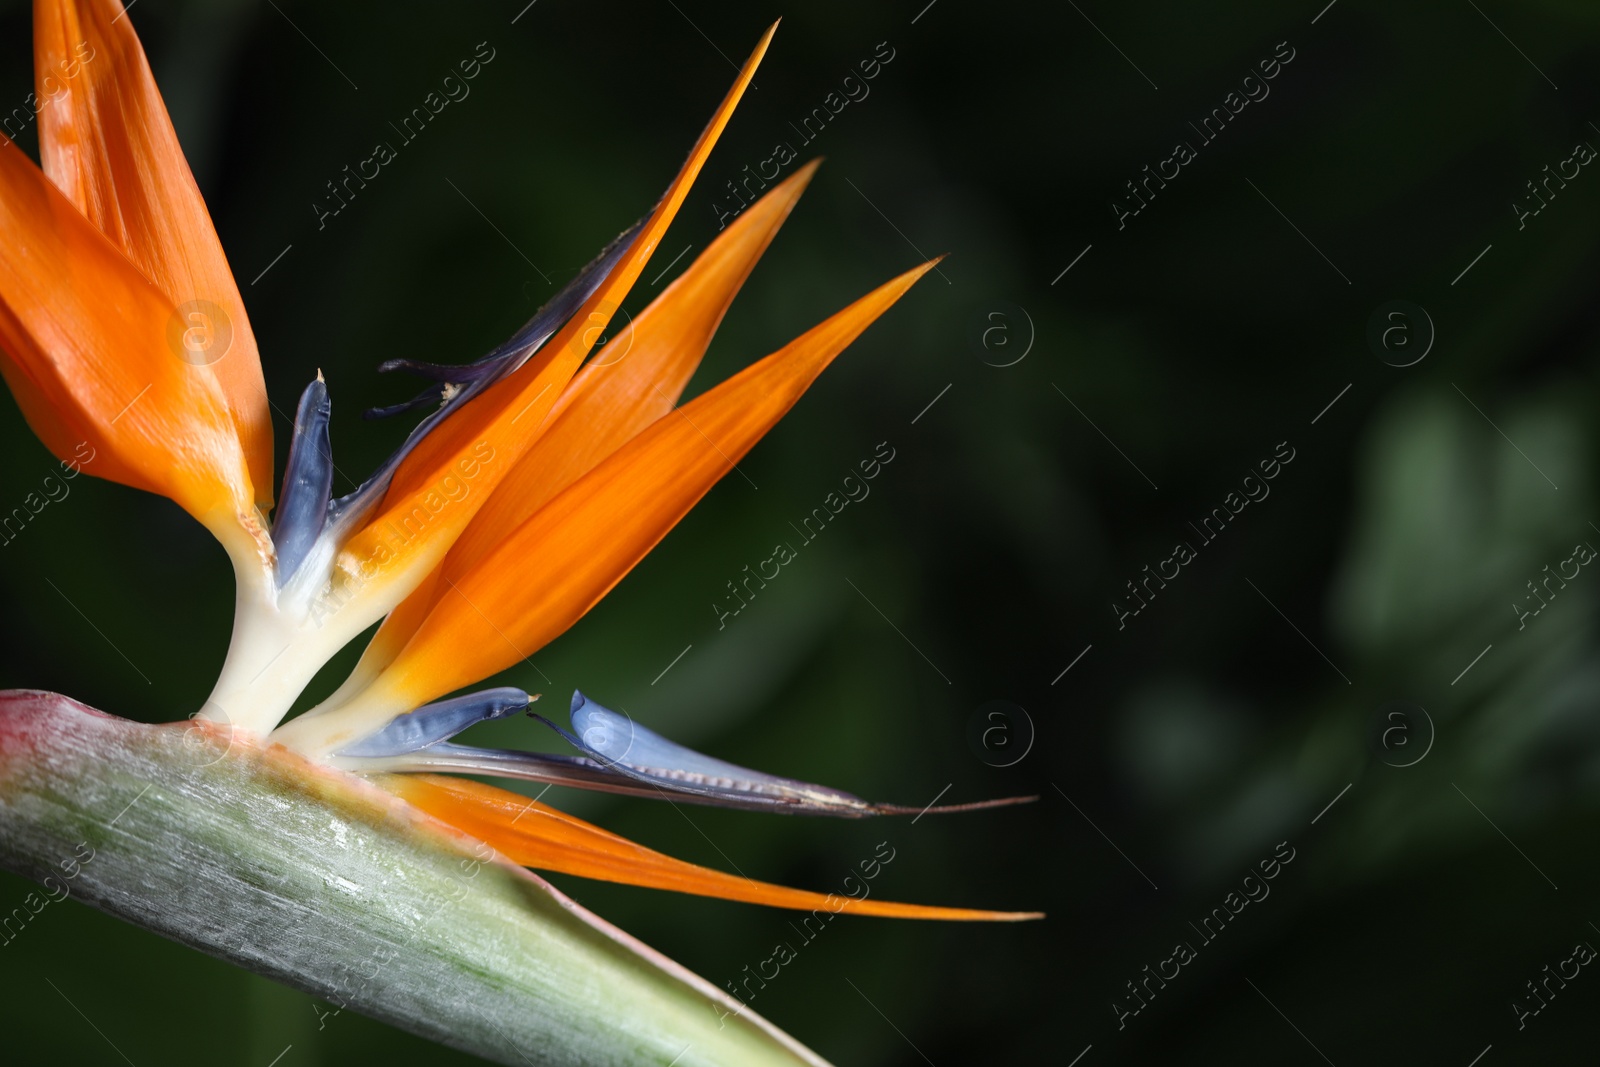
x: 433, y: 723
x: 612, y: 737
x: 616, y: 741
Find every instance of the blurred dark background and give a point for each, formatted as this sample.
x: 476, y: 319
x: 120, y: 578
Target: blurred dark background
x: 1325, y: 639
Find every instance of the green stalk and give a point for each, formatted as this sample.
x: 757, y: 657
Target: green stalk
x: 320, y: 880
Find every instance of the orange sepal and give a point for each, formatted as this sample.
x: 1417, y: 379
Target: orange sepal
x: 545, y: 839
x: 553, y: 568
x: 491, y: 432
x: 106, y: 141
x: 635, y: 380
x: 87, y: 351
x: 557, y: 565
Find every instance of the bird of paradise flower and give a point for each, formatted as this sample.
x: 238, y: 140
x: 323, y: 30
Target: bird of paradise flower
x: 535, y: 483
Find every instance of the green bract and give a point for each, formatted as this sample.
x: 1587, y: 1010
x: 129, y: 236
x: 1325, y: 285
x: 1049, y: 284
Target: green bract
x: 320, y: 880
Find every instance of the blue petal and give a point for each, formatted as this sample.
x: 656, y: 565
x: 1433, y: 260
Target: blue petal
x: 575, y: 771
x: 434, y: 723
x: 303, y: 504
x: 616, y: 741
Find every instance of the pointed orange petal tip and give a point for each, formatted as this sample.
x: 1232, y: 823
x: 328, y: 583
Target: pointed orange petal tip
x: 805, y: 172
x: 535, y: 835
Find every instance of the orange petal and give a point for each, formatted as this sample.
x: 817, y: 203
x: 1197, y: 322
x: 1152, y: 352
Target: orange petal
x: 636, y: 379
x: 541, y: 837
x: 88, y: 355
x: 106, y: 141
x: 553, y: 568
x: 417, y: 522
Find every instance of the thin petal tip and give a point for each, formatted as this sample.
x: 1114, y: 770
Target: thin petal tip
x: 952, y: 809
x: 914, y: 275
x: 807, y: 171
x: 760, y: 49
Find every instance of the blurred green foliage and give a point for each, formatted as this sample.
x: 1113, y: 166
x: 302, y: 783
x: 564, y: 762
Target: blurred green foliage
x: 1220, y: 721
